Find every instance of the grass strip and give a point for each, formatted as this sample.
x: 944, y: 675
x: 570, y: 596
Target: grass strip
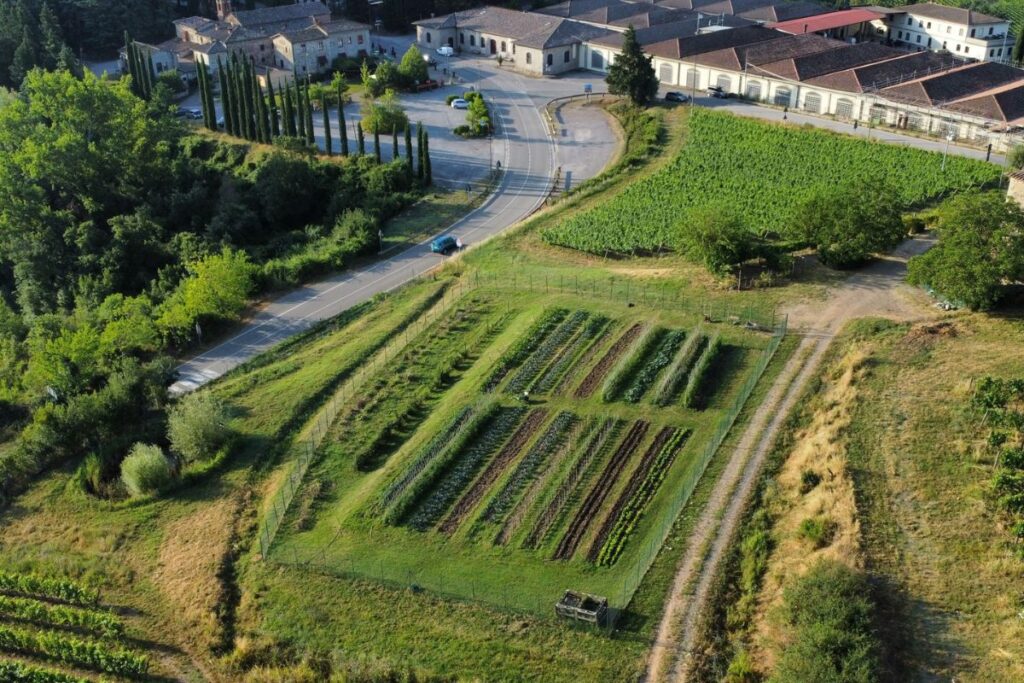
x: 628, y: 364
x: 679, y: 370
x: 697, y: 376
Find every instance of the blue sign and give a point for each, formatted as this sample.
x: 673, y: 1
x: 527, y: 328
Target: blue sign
x: 588, y: 88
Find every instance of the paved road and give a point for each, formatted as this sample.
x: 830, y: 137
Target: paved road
x: 527, y: 155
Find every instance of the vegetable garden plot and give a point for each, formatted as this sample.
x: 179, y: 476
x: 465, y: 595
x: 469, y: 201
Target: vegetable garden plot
x: 494, y: 470
x: 634, y: 499
x: 600, y: 491
x: 536, y: 460
x: 542, y: 355
x: 766, y: 172
x: 654, y: 364
x: 695, y: 384
x: 465, y: 458
x: 525, y: 346
x: 599, y: 371
x: 677, y: 372
x: 622, y: 374
x: 576, y: 355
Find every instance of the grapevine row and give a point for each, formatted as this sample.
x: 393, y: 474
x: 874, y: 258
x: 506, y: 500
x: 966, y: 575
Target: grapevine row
x: 16, y: 672
x: 43, y: 613
x: 73, y: 651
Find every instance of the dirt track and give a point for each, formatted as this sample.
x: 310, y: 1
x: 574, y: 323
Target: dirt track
x: 877, y: 290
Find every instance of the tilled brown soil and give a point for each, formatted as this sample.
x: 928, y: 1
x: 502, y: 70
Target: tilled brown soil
x: 634, y: 483
x: 469, y: 500
x: 581, y: 522
x: 597, y: 375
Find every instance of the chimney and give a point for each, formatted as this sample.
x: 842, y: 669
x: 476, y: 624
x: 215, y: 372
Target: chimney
x: 223, y: 9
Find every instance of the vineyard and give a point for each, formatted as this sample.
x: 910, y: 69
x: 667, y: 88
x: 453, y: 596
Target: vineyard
x: 60, y: 623
x: 532, y: 446
x: 766, y: 173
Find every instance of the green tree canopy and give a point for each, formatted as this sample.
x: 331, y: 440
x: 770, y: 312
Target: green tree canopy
x: 197, y: 426
x: 413, y: 67
x: 980, y: 250
x: 716, y: 237
x: 632, y: 75
x: 146, y: 470
x: 848, y: 225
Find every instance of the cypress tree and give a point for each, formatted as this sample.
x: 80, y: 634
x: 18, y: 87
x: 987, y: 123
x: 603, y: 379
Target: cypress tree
x: 376, y: 143
x: 275, y: 125
x: 241, y: 104
x: 327, y: 126
x: 342, y: 127
x: 408, y: 150
x: 360, y: 138
x: 129, y: 58
x: 138, y: 84
x: 310, y: 138
x: 250, y: 100
x: 202, y: 95
x: 419, y: 152
x: 1018, y: 47
x: 150, y: 76
x: 288, y: 116
x: 394, y: 145
x: 262, y: 119
x: 225, y: 99
x: 300, y: 115
x: 210, y: 99
x: 428, y: 174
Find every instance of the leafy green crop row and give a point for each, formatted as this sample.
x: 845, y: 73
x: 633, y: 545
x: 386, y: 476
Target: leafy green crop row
x: 627, y: 520
x: 73, y: 651
x: 543, y: 353
x: 766, y: 173
x: 524, y: 346
x: 679, y: 370
x: 28, y: 609
x: 626, y: 367
x: 16, y: 672
x: 700, y: 369
x: 46, y: 587
x: 558, y: 368
x: 649, y: 371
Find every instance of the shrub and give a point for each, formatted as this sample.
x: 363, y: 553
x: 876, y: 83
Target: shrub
x: 384, y: 114
x: 808, y: 480
x: 818, y: 530
x: 172, y: 79
x: 146, y: 470
x: 197, y: 426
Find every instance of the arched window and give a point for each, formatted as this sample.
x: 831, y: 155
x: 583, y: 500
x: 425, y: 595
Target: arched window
x: 472, y: 40
x: 665, y: 73
x: 724, y: 82
x: 503, y: 46
x: 782, y: 97
x: 753, y: 91
x: 844, y: 108
x: 812, y: 102
x: 692, y: 79
x: 566, y: 57
x: 551, y: 59
x: 428, y: 37
x: 462, y: 39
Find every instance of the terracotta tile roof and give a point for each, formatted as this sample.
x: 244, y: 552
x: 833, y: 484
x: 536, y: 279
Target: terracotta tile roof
x: 788, y: 47
x: 275, y: 15
x: 784, y: 11
x: 843, y: 56
x: 1005, y: 104
x: 659, y: 33
x: 956, y: 15
x: 956, y: 84
x: 684, y: 48
x: 889, y: 72
x: 528, y: 29
x: 826, y: 22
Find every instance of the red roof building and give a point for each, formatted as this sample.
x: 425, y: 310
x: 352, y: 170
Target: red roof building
x: 849, y: 23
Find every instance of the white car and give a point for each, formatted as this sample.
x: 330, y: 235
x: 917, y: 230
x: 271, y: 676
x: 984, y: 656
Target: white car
x: 459, y: 103
x: 446, y: 51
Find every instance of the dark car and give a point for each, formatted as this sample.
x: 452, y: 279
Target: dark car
x: 676, y: 97
x: 716, y: 91
x: 444, y: 244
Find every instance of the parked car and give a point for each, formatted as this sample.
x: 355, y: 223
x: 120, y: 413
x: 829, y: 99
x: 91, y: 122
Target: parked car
x: 676, y: 97
x: 431, y: 62
x: 444, y: 244
x: 181, y: 112
x: 446, y: 50
x: 716, y: 91
x: 459, y: 103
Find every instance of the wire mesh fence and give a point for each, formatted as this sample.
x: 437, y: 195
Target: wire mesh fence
x: 514, y: 594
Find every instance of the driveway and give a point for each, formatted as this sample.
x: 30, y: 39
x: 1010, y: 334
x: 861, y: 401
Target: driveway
x: 528, y: 159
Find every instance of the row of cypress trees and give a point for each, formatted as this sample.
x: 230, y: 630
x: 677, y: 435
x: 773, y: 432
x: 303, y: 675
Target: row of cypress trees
x: 250, y: 114
x: 140, y: 66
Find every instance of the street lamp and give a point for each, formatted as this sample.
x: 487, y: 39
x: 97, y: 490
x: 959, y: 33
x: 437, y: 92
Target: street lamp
x: 949, y: 139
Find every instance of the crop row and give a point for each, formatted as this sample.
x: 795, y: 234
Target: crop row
x: 542, y: 355
x: 28, y: 609
x: 49, y: 588
x: 73, y: 651
x: 637, y: 498
x: 494, y: 469
x: 435, y: 462
x: 537, y: 456
x: 679, y: 370
x: 599, y: 371
x: 700, y: 370
x: 600, y: 491
x: 656, y: 362
x: 524, y: 346
x: 16, y: 672
x: 464, y: 461
x: 627, y: 366
x: 648, y: 458
x: 764, y: 172
x: 569, y: 486
x: 558, y: 369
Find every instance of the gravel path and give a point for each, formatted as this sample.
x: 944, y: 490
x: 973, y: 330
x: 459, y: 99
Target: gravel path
x: 877, y: 290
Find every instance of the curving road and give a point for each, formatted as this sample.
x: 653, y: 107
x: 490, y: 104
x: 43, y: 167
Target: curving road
x: 528, y: 156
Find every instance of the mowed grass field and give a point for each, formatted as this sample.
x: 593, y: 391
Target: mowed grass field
x: 525, y: 508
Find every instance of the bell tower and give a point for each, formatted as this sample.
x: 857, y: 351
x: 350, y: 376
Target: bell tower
x: 223, y: 8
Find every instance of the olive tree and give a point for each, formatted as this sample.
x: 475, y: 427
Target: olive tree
x: 197, y: 426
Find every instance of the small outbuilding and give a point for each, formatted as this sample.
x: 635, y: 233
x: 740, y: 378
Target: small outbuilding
x: 583, y: 607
